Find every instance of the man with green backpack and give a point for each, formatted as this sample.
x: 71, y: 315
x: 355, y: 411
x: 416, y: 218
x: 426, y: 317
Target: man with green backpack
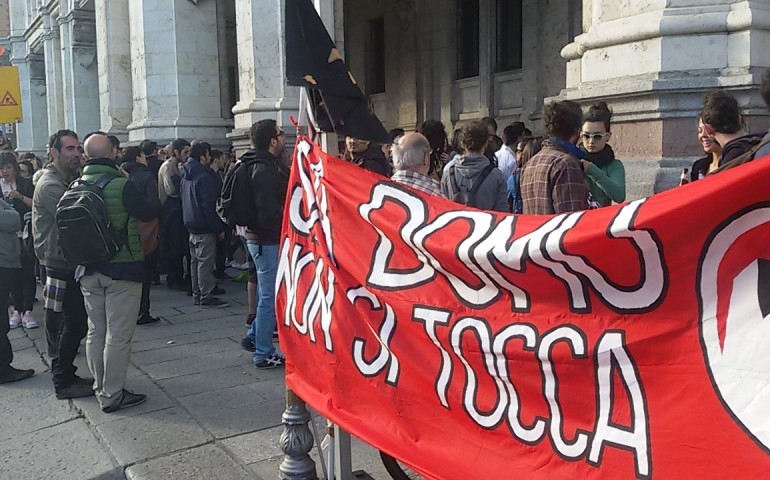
x: 112, y: 282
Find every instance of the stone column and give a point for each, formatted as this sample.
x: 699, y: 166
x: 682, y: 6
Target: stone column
x: 652, y: 62
x: 79, y: 70
x: 53, y: 72
x: 113, y: 47
x: 175, y: 66
x: 32, y: 132
x: 263, y: 90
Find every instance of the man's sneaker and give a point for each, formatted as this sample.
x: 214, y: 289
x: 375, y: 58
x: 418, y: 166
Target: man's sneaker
x: 28, y: 320
x: 196, y: 301
x: 214, y: 302
x: 218, y: 291
x: 128, y: 400
x: 14, y: 375
x: 250, y: 319
x: 15, y: 321
x: 273, y: 360
x: 147, y: 319
x: 77, y: 389
x: 248, y: 345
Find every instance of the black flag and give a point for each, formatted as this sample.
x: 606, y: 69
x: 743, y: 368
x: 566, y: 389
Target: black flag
x: 313, y: 62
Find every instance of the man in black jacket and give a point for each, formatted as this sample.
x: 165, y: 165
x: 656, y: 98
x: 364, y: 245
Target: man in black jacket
x: 268, y: 179
x: 199, y: 190
x: 135, y: 164
x: 150, y: 150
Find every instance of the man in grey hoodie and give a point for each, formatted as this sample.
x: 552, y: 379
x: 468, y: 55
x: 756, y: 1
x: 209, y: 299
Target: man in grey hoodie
x: 473, y: 180
x: 10, y: 262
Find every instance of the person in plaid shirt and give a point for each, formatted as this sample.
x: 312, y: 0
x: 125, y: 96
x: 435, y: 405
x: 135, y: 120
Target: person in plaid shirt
x: 411, y: 160
x: 553, y: 182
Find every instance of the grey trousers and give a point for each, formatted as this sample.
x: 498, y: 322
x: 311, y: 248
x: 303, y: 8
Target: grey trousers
x: 113, y: 307
x: 203, y: 257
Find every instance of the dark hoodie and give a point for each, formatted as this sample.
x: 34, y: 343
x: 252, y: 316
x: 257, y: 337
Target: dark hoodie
x: 199, y: 190
x: 373, y: 159
x: 738, y: 147
x: 153, y: 164
x: 144, y: 181
x: 493, y: 192
x: 268, y: 183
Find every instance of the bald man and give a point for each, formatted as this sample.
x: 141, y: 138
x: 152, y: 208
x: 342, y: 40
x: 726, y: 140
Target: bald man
x: 411, y: 160
x: 112, y: 291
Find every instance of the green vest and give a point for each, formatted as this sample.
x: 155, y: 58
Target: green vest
x: 128, y: 226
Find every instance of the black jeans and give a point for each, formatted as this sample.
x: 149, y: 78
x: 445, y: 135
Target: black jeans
x: 23, y: 288
x: 175, y: 241
x: 150, y: 264
x: 65, y: 330
x: 7, y: 276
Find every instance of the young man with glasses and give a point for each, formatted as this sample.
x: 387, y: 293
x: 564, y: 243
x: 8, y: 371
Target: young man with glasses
x: 605, y: 174
x: 264, y: 192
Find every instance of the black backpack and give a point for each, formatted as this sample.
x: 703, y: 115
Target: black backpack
x: 86, y: 234
x: 235, y: 205
x: 468, y: 197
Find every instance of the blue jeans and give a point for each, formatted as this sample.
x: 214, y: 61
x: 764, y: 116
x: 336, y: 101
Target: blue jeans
x: 261, y: 331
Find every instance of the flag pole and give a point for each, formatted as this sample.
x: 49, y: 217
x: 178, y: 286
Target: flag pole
x: 296, y: 438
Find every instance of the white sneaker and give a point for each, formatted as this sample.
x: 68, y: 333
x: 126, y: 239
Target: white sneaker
x: 15, y: 321
x: 28, y: 320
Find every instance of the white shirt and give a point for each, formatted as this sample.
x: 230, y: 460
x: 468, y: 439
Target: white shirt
x: 506, y: 161
x: 7, y: 187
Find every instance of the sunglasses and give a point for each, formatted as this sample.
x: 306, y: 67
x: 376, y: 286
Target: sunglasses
x: 593, y: 136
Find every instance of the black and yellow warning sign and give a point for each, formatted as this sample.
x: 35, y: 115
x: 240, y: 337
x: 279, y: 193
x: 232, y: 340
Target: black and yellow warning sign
x: 10, y: 95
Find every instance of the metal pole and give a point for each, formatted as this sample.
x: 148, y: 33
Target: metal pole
x: 343, y: 462
x: 296, y: 441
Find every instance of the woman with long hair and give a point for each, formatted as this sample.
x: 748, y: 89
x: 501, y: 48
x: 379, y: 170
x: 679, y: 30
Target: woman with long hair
x: 709, y: 163
x: 605, y: 174
x: 18, y: 192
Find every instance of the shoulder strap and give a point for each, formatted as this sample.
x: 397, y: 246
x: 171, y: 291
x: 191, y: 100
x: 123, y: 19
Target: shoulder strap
x: 100, y: 182
x: 482, y: 177
x: 103, y: 181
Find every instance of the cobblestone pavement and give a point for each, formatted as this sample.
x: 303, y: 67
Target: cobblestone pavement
x: 209, y: 414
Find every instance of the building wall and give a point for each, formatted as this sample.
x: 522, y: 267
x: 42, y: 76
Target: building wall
x: 421, y: 61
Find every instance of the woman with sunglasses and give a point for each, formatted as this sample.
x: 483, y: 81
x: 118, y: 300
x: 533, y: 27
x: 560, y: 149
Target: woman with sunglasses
x: 18, y: 192
x: 605, y: 175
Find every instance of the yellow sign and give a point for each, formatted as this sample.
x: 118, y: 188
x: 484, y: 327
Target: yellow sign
x: 10, y: 95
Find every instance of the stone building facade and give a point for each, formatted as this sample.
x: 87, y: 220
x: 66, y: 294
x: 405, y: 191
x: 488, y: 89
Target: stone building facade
x: 209, y: 68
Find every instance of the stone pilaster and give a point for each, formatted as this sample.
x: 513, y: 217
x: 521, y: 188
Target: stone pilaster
x: 53, y: 73
x: 32, y: 132
x: 175, y: 68
x: 79, y: 70
x: 263, y: 90
x: 652, y: 62
x: 113, y: 46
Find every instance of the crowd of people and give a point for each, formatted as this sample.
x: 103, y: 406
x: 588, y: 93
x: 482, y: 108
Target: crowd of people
x: 183, y: 209
x: 163, y: 214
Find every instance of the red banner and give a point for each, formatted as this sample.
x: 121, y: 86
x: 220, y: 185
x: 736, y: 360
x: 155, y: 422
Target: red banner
x: 630, y: 341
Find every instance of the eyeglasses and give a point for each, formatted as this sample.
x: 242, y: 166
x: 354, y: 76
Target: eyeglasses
x: 280, y: 134
x: 593, y: 136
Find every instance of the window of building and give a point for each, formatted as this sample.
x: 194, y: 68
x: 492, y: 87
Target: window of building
x: 467, y: 38
x: 375, y: 57
x: 509, y: 29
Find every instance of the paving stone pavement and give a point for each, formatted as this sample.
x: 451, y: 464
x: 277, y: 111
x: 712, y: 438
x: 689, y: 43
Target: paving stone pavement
x: 209, y: 413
